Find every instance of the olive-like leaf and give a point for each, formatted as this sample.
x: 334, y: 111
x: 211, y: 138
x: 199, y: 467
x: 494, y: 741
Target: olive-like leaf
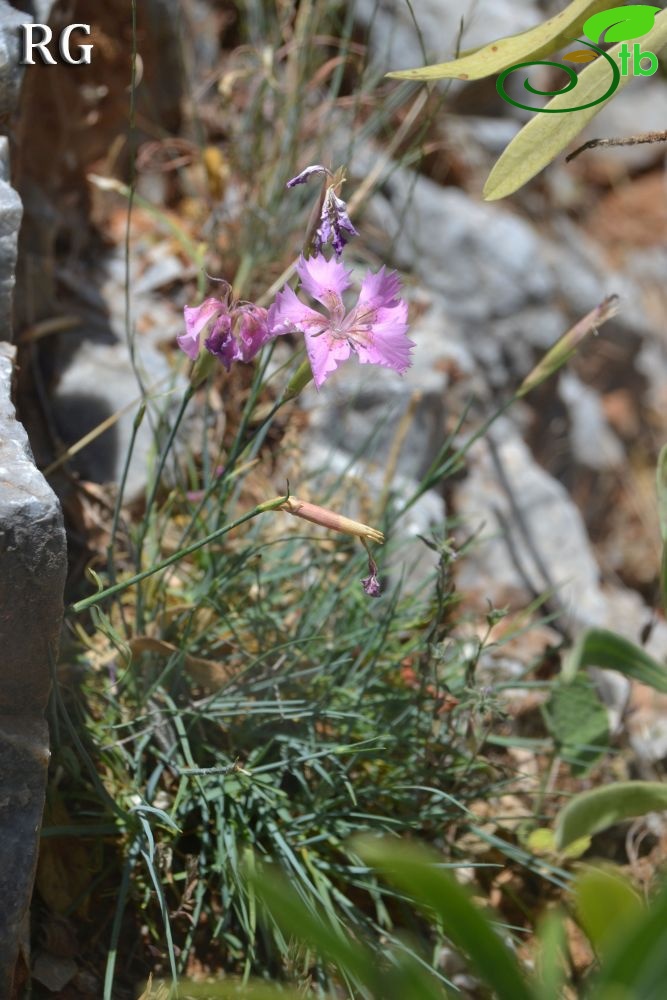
x: 539, y: 142
x: 497, y: 56
x: 637, y: 965
x: 599, y: 647
x: 590, y: 812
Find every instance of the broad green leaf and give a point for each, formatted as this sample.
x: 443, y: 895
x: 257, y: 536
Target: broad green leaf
x: 541, y: 140
x: 600, y: 648
x: 590, y: 812
x: 606, y: 905
x: 293, y: 915
x: 352, y: 958
x: 415, y: 872
x: 497, y: 56
x: 578, y: 723
x: 637, y: 966
x: 662, y: 510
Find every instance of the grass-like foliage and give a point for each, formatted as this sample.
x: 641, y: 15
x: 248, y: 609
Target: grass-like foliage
x: 627, y: 934
x: 229, y: 697
x: 269, y: 713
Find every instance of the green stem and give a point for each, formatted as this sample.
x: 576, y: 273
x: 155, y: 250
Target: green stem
x: 261, y: 508
x: 157, y: 478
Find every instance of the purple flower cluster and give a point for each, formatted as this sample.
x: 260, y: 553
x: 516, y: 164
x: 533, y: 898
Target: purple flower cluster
x: 375, y: 328
x: 335, y: 226
x: 235, y: 332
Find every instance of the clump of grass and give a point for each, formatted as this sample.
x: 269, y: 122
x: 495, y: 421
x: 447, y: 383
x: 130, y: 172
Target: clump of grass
x: 276, y: 716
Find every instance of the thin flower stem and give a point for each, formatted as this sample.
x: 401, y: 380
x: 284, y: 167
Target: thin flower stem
x: 187, y: 396
x: 261, y: 508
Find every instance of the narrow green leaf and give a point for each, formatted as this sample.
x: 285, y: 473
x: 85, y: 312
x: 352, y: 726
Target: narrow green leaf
x: 590, y: 812
x: 552, y: 963
x: 414, y: 871
x: 540, y: 141
x: 292, y: 914
x: 606, y: 906
x: 566, y: 346
x: 600, y: 648
x: 189, y: 990
x: 531, y: 44
x: 406, y: 978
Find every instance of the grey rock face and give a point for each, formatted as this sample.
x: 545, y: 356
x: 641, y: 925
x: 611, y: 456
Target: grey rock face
x: 551, y: 517
x: 593, y: 442
x: 559, y: 538
x: 32, y: 564
x: 10, y: 71
x: 484, y: 260
x: 98, y: 378
x: 10, y: 220
x: 24, y: 755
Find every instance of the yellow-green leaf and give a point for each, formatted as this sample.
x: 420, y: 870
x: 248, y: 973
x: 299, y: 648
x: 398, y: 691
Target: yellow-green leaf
x: 541, y: 841
x: 606, y: 905
x: 590, y: 812
x: 532, y: 44
x: 540, y: 141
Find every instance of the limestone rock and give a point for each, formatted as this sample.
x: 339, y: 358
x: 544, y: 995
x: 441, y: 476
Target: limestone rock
x: 24, y: 755
x: 32, y: 565
x: 10, y: 71
x: 483, y: 259
x: 552, y: 519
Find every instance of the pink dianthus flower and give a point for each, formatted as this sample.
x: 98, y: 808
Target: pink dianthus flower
x: 375, y: 328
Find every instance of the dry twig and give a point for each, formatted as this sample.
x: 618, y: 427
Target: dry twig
x: 630, y: 140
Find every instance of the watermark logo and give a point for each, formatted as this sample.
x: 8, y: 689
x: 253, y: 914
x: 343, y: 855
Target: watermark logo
x: 622, y: 24
x: 36, y: 38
